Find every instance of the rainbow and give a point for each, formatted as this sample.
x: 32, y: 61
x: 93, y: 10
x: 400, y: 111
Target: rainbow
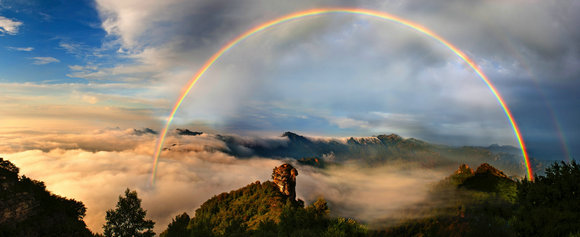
x: 322, y: 11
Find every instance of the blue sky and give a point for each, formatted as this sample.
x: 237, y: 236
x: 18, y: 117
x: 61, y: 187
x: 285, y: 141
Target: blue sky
x: 77, y: 65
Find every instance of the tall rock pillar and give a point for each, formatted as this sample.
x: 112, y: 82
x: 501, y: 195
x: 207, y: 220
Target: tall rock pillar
x: 285, y: 177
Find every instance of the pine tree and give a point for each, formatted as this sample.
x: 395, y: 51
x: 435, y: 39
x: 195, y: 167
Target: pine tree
x: 128, y: 219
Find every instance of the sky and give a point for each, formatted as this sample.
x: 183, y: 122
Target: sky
x: 81, y: 81
x: 73, y: 66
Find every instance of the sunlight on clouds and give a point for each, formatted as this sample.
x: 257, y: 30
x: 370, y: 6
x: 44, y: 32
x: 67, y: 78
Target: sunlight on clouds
x: 95, y: 167
x: 9, y: 26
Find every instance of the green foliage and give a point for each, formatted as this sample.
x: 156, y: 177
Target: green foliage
x: 505, y: 188
x: 464, y: 204
x: 28, y: 209
x: 261, y: 210
x: 550, y: 206
x: 178, y: 227
x: 241, y: 209
x: 128, y: 219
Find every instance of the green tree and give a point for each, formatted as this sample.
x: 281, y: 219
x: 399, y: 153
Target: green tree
x: 178, y: 227
x: 128, y: 219
x: 549, y: 206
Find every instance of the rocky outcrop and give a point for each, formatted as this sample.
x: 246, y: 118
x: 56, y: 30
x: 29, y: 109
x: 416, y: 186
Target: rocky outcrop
x: 390, y: 139
x: 284, y: 177
x: 187, y: 132
x: 464, y: 170
x: 486, y: 168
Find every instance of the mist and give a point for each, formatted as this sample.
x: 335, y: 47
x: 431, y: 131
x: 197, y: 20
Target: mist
x: 197, y: 169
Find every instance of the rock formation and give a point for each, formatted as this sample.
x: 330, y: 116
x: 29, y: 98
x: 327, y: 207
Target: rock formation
x: 464, y: 169
x: 285, y: 177
x: 486, y: 168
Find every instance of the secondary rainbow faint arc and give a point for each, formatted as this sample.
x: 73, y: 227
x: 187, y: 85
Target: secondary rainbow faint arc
x: 321, y: 11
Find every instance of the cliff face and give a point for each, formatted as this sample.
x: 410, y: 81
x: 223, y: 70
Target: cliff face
x: 284, y: 177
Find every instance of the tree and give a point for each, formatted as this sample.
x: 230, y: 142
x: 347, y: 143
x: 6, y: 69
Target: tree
x: 128, y: 219
x: 178, y: 227
x: 549, y: 206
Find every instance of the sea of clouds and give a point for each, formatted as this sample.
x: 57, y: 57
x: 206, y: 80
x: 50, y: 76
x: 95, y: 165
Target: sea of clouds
x: 97, y: 166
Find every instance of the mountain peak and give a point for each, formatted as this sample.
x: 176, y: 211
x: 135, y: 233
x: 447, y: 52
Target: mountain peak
x: 486, y: 168
x: 391, y: 138
x: 290, y: 134
x: 295, y: 137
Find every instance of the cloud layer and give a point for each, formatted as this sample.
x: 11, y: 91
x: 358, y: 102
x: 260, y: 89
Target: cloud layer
x: 97, y: 172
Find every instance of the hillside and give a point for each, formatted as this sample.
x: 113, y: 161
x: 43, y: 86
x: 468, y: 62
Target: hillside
x: 28, y: 209
x: 263, y: 209
x: 467, y: 203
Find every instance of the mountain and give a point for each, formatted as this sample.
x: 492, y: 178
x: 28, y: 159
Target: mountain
x: 28, y: 209
x: 263, y: 209
x: 375, y: 150
x: 467, y: 203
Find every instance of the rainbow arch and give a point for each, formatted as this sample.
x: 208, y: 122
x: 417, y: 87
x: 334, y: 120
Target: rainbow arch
x: 323, y: 11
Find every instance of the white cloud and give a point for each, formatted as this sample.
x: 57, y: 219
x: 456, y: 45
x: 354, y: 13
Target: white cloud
x: 8, y: 26
x: 25, y: 49
x: 44, y: 60
x: 71, y: 48
x: 343, y: 122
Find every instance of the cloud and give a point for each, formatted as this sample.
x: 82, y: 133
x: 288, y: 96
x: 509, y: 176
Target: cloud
x: 90, y: 99
x: 25, y: 49
x: 315, y: 70
x: 44, y: 60
x: 369, y: 194
x: 97, y: 179
x: 9, y: 26
x: 72, y: 48
x: 95, y: 167
x: 71, y: 106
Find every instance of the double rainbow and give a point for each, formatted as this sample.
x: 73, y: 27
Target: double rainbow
x: 322, y: 11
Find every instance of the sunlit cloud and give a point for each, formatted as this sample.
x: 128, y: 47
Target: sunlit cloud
x: 9, y: 26
x: 109, y: 160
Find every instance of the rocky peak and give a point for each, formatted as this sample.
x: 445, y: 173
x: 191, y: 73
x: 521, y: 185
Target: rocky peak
x: 295, y: 137
x: 284, y: 177
x: 486, y: 168
x: 464, y: 169
x: 392, y: 138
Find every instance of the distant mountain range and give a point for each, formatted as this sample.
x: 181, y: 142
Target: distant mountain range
x: 375, y: 150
